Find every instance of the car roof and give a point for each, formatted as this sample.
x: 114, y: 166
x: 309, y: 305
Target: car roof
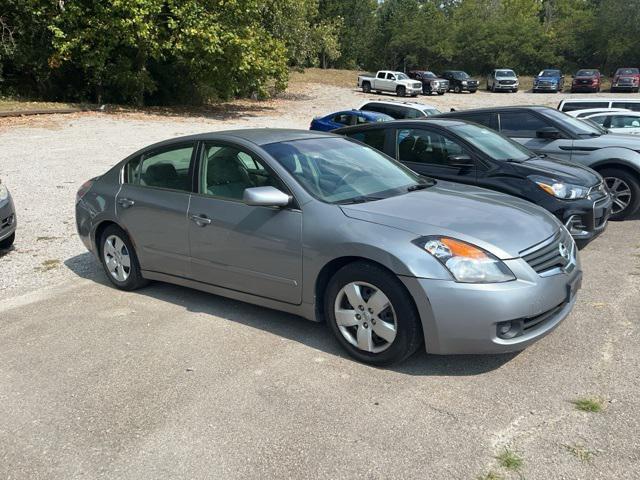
x: 599, y: 99
x: 257, y: 136
x: 400, y: 103
x: 441, y: 122
x: 495, y: 109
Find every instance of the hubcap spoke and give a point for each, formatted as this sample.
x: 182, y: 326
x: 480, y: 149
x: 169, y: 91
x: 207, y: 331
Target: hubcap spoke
x: 354, y: 295
x: 346, y: 318
x: 126, y: 261
x: 378, y: 302
x: 385, y: 330
x: 365, y: 341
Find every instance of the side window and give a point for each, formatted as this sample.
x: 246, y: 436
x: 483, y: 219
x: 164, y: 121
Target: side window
x: 343, y: 119
x: 360, y: 119
x: 413, y: 113
x: 381, y: 74
x: 489, y: 120
x: 600, y: 119
x: 132, y: 171
x: 620, y: 121
x: 520, y: 124
x: 373, y: 138
x: 168, y: 168
x: 227, y: 171
x: 571, y: 106
x: 391, y: 76
x: 635, y: 106
x: 374, y: 107
x: 424, y: 146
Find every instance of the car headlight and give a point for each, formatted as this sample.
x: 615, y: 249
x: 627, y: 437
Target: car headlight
x: 467, y: 263
x: 4, y: 192
x: 559, y: 189
x: 464, y: 82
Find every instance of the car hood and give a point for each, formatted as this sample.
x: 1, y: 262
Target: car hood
x: 558, y: 169
x: 612, y: 140
x: 499, y: 223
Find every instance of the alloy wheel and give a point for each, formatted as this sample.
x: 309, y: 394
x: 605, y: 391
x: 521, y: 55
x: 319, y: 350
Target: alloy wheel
x: 621, y: 193
x: 117, y: 258
x: 365, y: 317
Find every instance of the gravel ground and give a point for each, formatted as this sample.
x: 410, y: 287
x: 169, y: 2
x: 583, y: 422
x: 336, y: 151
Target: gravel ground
x: 172, y: 383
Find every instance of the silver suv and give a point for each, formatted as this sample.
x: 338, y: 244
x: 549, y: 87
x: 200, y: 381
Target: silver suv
x: 547, y: 131
x: 503, y: 80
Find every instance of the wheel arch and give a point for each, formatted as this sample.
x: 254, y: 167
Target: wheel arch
x: 616, y: 163
x: 101, y: 227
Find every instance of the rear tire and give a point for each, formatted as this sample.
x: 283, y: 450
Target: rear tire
x: 440, y: 93
x: 625, y: 189
x: 8, y: 242
x: 392, y: 314
x: 366, y: 87
x: 119, y: 259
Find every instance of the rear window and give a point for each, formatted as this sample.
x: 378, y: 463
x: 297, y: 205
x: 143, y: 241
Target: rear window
x: 520, y: 124
x: 635, y: 106
x: 489, y: 120
x: 571, y: 106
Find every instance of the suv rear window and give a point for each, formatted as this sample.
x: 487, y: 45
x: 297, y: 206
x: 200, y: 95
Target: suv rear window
x: 635, y: 106
x: 571, y: 106
x: 520, y: 124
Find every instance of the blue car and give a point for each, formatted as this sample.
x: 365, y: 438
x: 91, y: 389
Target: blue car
x: 549, y: 80
x: 346, y: 118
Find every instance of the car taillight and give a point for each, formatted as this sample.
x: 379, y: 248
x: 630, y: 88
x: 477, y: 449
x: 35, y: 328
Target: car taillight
x: 82, y: 191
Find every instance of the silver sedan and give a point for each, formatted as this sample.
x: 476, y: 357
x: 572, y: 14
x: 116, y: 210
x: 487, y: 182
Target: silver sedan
x: 332, y: 230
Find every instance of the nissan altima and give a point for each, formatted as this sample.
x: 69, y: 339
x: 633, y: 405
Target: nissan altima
x: 333, y: 230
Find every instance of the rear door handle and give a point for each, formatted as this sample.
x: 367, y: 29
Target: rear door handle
x: 200, y: 220
x: 126, y: 203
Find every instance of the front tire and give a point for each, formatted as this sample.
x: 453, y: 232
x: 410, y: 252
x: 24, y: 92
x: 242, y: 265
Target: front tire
x: 625, y: 189
x: 372, y: 315
x: 8, y: 242
x: 119, y: 259
x: 457, y: 89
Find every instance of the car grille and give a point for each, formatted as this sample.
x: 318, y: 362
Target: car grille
x: 584, y: 82
x: 547, y: 255
x: 625, y: 81
x: 545, y: 83
x: 417, y: 85
x: 507, y: 82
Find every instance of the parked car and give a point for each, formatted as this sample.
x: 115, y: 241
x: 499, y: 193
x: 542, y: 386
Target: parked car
x: 622, y: 121
x: 327, y: 228
x: 626, y: 80
x: 460, y: 81
x: 472, y: 154
x: 590, y: 111
x: 586, y: 80
x: 503, y: 80
x: 389, y: 81
x: 570, y: 104
x: 431, y: 83
x: 401, y: 110
x: 549, y: 80
x: 550, y: 132
x: 347, y: 117
x: 8, y: 219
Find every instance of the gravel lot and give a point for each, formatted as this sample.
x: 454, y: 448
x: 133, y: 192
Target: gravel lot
x: 170, y: 383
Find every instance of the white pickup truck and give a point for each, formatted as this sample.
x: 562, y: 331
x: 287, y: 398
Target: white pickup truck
x: 389, y: 81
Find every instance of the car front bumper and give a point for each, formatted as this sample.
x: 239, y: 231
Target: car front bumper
x: 586, y: 219
x: 546, y: 87
x: 8, y: 219
x: 463, y: 318
x: 499, y: 86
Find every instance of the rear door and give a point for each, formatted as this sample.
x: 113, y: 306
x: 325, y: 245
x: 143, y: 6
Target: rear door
x: 152, y: 207
x: 255, y: 250
x: 522, y: 126
x: 431, y: 153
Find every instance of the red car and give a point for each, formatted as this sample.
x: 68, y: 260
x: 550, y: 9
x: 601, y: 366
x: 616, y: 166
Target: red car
x: 626, y: 80
x: 586, y: 80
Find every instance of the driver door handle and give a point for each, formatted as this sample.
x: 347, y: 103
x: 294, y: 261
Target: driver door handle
x: 126, y: 203
x: 200, y: 220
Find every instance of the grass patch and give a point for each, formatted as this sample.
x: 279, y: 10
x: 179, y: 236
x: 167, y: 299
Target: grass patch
x: 509, y: 459
x: 50, y: 264
x: 581, y: 452
x: 589, y: 404
x: 491, y: 475
x: 8, y: 104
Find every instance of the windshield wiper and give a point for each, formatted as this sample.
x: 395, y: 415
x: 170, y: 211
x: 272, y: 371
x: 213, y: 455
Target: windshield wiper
x: 418, y: 186
x: 360, y: 199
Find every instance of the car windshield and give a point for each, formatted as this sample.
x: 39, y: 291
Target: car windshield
x: 401, y: 76
x: 431, y: 111
x: 585, y: 73
x: 575, y: 125
x: 549, y: 73
x: 338, y: 170
x: 505, y: 73
x: 628, y: 71
x: 493, y: 144
x: 429, y: 75
x: 461, y: 75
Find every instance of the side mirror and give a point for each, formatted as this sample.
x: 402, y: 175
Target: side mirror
x: 265, y: 197
x: 461, y: 161
x: 549, y: 133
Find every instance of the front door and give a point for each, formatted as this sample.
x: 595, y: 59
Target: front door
x: 523, y: 127
x: 255, y: 250
x: 430, y: 153
x: 152, y: 207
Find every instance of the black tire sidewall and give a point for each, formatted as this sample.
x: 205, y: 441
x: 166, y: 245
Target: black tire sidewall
x: 634, y: 185
x: 409, y: 332
x: 366, y: 88
x: 401, y: 91
x: 8, y: 242
x: 135, y: 279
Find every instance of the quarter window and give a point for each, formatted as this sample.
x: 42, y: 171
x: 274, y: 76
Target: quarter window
x: 227, y: 171
x: 167, y: 168
x: 635, y: 106
x: 520, y: 124
x: 343, y: 119
x: 424, y: 146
